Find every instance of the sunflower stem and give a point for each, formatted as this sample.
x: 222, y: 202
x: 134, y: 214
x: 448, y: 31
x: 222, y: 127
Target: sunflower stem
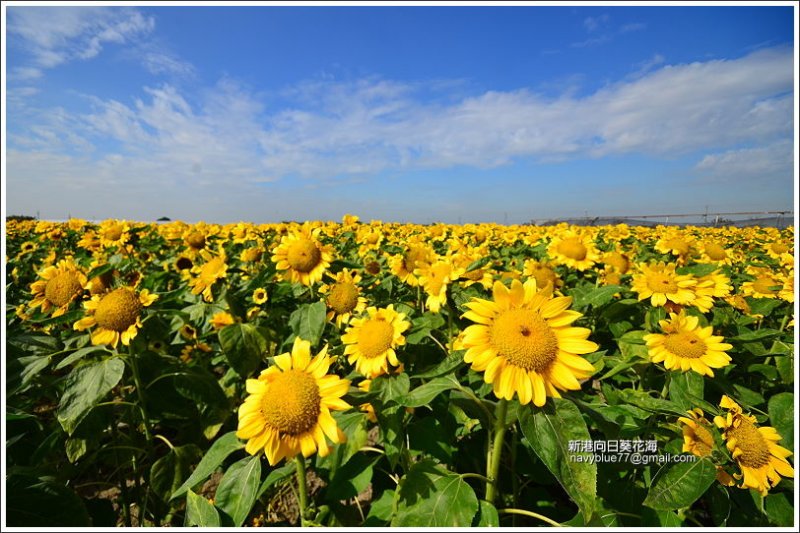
x: 495, y: 452
x: 139, y: 392
x: 302, y: 490
x: 524, y: 512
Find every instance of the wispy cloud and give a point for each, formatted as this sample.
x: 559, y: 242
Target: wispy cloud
x: 227, y: 138
x: 593, y: 23
x: 633, y: 26
x: 164, y: 63
x: 55, y: 35
x: 770, y: 163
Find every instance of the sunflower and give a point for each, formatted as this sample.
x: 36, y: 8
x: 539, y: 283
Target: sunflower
x: 222, y: 319
x: 27, y: 247
x: 714, y: 252
x: 434, y: 280
x: 208, y: 273
x: 371, y: 340
x: 260, y: 296
x: 543, y: 272
x: 573, y: 250
x: 113, y: 233
x: 116, y: 314
x: 755, y: 449
x: 679, y: 244
x: 686, y: 346
x: 417, y: 258
x: 697, y: 438
x: 288, y: 410
x: 712, y: 285
x: 660, y: 283
x: 251, y: 255
x: 524, y: 343
x: 766, y: 284
x: 617, y: 261
x: 58, y: 286
x: 343, y: 297
x: 301, y: 257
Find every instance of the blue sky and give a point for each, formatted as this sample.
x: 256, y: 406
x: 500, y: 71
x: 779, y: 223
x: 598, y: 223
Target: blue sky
x: 421, y: 114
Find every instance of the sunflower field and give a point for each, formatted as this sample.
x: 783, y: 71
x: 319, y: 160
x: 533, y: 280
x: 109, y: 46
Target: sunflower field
x: 381, y: 374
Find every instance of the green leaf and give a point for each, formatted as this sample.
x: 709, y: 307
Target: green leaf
x: 237, y: 489
x: 391, y: 388
x: 216, y: 454
x: 678, y: 485
x: 78, y: 355
x: 243, y: 346
x: 276, y: 476
x: 85, y: 387
x: 430, y: 496
x: 785, y: 366
x: 200, y: 512
x: 33, y: 502
x: 548, y: 431
x: 781, y: 415
x: 644, y: 401
x: 167, y: 473
x: 479, y: 263
x: 380, y: 512
x: 684, y: 387
x: 487, y: 515
x: 747, y: 396
x: 308, y: 321
x: 445, y: 366
x: 752, y: 336
x: 597, y: 296
x: 423, y: 394
x: 779, y: 510
x: 351, y: 478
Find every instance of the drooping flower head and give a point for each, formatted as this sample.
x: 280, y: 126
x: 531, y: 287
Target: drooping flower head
x: 58, y: 286
x: 755, y: 449
x: 524, y: 343
x: 288, y: 410
x: 697, y: 437
x: 115, y: 315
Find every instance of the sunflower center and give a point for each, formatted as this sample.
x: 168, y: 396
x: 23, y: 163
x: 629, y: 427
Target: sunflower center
x: 704, y: 441
x: 372, y: 238
x: 678, y: 245
x: 685, y: 344
x: 303, y: 255
x: 196, y: 240
x: 779, y: 248
x: 118, y: 310
x: 764, y: 284
x: 715, y: 251
x: 61, y: 289
x: 662, y: 283
x: 543, y: 276
x: 212, y: 269
x: 373, y: 267
x: 413, y: 257
x: 525, y: 339
x: 572, y: 248
x: 375, y: 337
x: 755, y: 452
x: 113, y: 233
x: 343, y: 298
x: 291, y: 403
x: 474, y: 275
x: 618, y: 261
x: 183, y: 263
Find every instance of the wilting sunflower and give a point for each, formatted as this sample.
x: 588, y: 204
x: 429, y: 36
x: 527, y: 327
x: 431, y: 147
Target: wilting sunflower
x: 301, y: 258
x: 697, y: 437
x: 573, y: 250
x: 58, y: 286
x: 343, y: 297
x: 686, y: 346
x: 524, y: 343
x: 755, y: 449
x: 288, y: 410
x: 115, y: 316
x: 208, y: 273
x: 661, y: 283
x: 371, y: 340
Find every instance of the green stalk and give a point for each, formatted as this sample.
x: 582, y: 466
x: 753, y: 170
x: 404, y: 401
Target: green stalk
x: 139, y: 391
x: 302, y: 490
x: 495, y: 452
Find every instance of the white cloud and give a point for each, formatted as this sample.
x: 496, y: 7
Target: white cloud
x: 226, y: 138
x: 55, y: 35
x: 771, y: 163
x: 163, y: 63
